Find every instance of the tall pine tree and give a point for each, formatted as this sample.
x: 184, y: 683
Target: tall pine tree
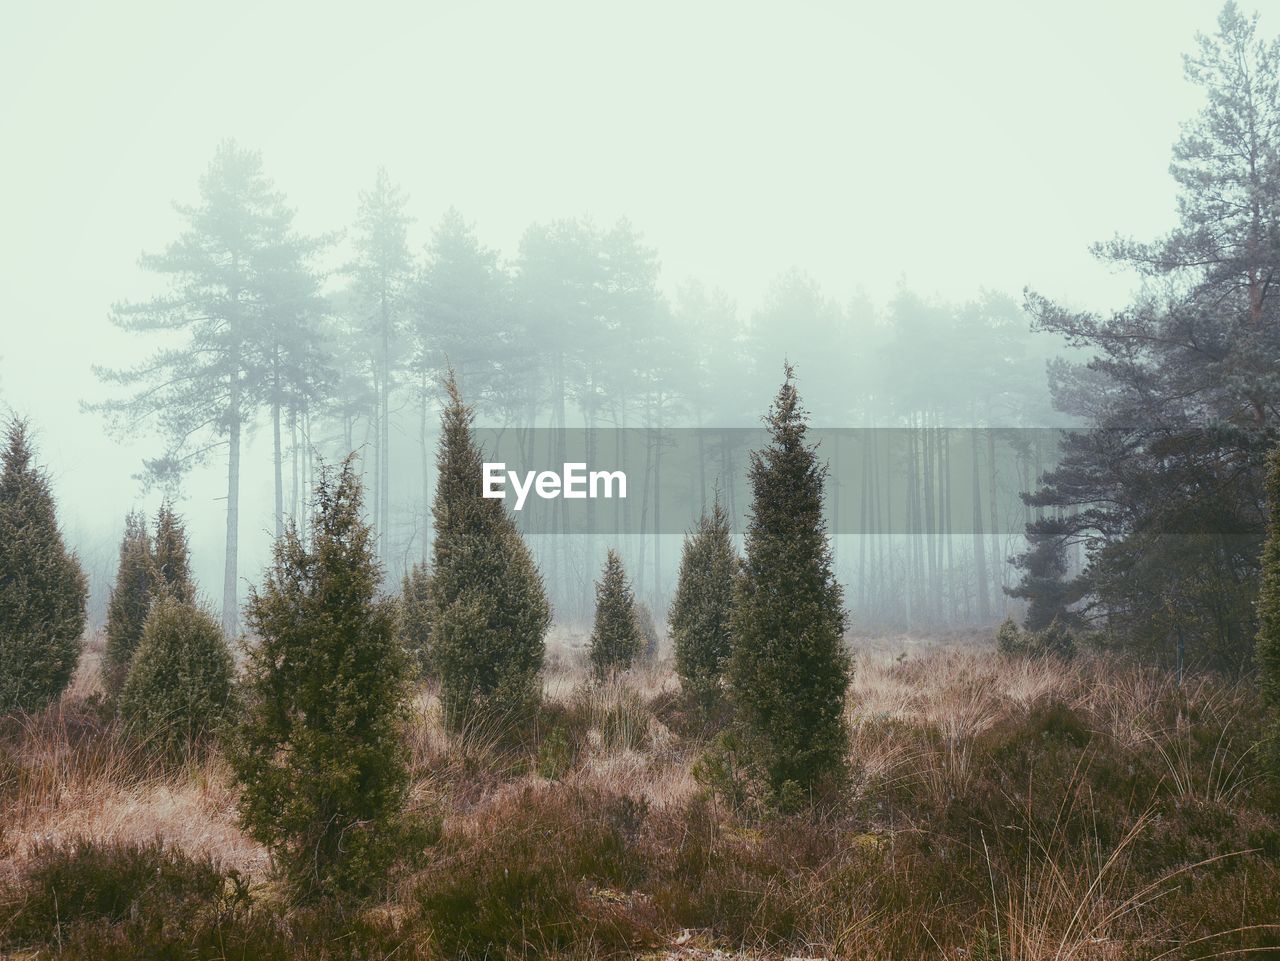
x: 381, y: 277
x: 488, y: 609
x: 42, y: 588
x: 789, y: 671
x: 235, y: 271
x: 319, y: 755
x: 700, y: 612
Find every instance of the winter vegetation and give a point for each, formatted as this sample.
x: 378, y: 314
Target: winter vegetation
x: 1026, y: 708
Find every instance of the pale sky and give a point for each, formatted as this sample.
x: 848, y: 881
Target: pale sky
x: 957, y: 146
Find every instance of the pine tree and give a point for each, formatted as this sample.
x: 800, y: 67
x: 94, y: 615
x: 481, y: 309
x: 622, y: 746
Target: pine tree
x: 319, y: 754
x: 130, y: 601
x: 788, y: 671
x: 237, y: 280
x: 178, y: 691
x: 615, y: 640
x: 415, y: 617
x: 172, y: 557
x: 703, y: 603
x: 42, y: 588
x: 488, y: 610
x: 381, y: 276
x: 650, y: 637
x: 1268, y: 643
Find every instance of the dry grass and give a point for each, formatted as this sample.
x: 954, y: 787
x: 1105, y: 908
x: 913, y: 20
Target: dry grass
x: 999, y: 809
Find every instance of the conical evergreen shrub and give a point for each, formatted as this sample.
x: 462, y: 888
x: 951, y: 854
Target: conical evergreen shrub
x: 415, y: 617
x: 42, y: 588
x: 788, y: 670
x: 703, y: 602
x: 172, y: 556
x: 178, y: 690
x: 130, y: 601
x: 616, y: 640
x: 320, y: 754
x: 488, y: 611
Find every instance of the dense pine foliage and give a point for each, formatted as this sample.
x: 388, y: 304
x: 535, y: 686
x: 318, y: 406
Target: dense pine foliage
x: 700, y: 612
x: 320, y: 756
x: 178, y: 692
x: 788, y: 671
x: 130, y: 600
x: 415, y: 616
x: 1268, y: 641
x: 42, y: 588
x: 616, y: 641
x: 172, y: 556
x: 1165, y: 494
x: 488, y: 612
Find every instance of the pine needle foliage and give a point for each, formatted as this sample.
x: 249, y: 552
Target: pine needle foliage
x: 788, y: 670
x: 415, y: 617
x: 172, y: 556
x: 130, y: 601
x: 1267, y: 652
x: 319, y: 753
x: 703, y: 602
x: 42, y: 588
x: 489, y: 613
x: 616, y: 640
x: 178, y: 691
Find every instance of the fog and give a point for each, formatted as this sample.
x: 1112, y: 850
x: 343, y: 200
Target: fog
x: 937, y: 148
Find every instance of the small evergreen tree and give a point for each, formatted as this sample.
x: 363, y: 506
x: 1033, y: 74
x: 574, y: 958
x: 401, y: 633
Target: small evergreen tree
x: 130, y: 600
x: 1268, y: 642
x: 178, y: 690
x: 488, y: 609
x: 42, y: 588
x: 172, y: 556
x: 319, y: 752
x: 616, y: 640
x: 788, y: 671
x: 415, y: 617
x: 650, y: 638
x: 702, y: 605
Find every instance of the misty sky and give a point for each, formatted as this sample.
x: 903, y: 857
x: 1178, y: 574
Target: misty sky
x: 954, y: 145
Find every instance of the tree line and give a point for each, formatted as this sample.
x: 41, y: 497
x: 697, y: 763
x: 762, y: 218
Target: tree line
x: 338, y: 342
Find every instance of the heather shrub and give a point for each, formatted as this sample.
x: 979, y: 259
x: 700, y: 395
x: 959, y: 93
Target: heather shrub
x: 521, y: 887
x: 80, y: 882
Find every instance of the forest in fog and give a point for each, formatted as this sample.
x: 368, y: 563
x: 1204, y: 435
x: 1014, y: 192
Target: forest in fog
x: 573, y: 331
x: 398, y: 579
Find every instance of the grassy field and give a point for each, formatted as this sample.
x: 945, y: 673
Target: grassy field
x: 997, y: 809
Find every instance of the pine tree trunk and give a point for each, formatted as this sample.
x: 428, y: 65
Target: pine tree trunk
x: 230, y: 607
x: 979, y: 540
x: 426, y: 471
x: 277, y: 462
